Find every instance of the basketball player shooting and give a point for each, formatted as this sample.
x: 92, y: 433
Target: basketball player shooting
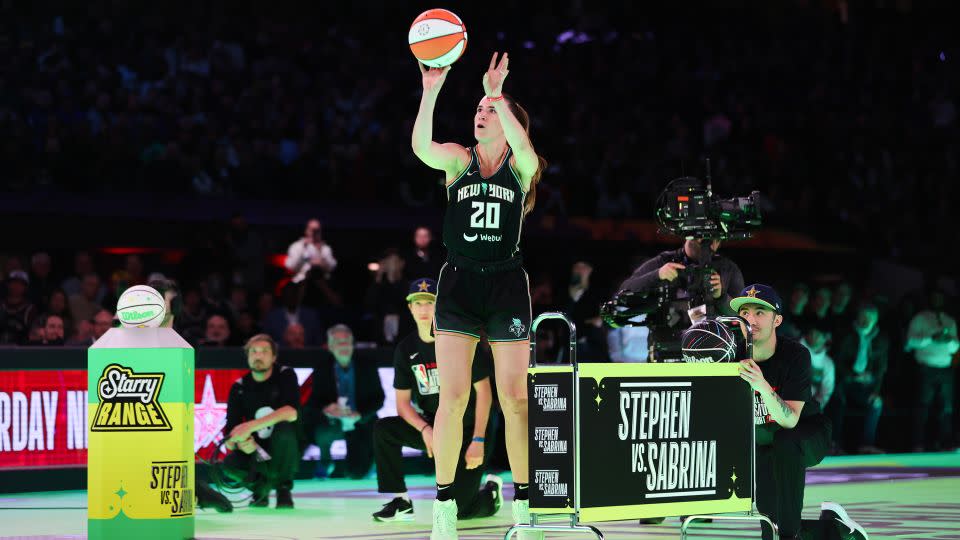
x: 482, y: 287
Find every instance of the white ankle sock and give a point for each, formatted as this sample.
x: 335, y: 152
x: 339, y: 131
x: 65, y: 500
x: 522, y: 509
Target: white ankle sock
x: 403, y: 496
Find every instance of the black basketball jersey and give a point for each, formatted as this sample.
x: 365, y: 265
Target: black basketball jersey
x: 484, y: 215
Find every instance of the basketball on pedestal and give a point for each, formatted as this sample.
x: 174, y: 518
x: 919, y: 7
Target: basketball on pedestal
x: 141, y: 307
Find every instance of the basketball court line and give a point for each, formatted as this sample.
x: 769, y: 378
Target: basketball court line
x: 910, y: 497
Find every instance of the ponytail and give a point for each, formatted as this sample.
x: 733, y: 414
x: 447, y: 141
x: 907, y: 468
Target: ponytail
x: 521, y: 114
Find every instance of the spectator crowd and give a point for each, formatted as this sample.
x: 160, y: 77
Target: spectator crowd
x: 847, y: 113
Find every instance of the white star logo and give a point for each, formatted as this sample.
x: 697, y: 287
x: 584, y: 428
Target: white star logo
x: 209, y: 418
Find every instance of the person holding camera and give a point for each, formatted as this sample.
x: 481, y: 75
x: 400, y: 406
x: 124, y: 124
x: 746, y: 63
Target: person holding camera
x: 701, y: 280
x: 932, y: 338
x: 308, y: 252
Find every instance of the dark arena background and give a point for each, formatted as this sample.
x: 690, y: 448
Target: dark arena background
x: 196, y: 141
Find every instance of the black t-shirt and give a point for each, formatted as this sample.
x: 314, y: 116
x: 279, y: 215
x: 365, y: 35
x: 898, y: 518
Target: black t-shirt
x: 789, y: 372
x: 415, y: 369
x: 247, y: 396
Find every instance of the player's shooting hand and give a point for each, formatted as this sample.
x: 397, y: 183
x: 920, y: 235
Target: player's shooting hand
x: 433, y: 78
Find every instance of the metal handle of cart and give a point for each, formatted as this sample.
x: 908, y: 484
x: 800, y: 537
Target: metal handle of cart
x: 753, y: 514
x: 574, y: 523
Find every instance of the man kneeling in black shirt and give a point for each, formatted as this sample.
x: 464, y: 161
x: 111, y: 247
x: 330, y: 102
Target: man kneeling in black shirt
x: 418, y: 396
x: 262, y: 431
x: 791, y: 432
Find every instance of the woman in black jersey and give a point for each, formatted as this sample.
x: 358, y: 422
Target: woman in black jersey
x: 482, y: 288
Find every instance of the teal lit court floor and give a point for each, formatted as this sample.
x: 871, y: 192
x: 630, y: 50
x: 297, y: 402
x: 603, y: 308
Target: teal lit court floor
x: 893, y: 496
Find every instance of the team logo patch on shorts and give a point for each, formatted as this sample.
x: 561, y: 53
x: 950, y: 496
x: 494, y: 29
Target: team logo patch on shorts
x: 517, y: 328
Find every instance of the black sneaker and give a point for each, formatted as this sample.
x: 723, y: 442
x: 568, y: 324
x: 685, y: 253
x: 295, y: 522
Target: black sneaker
x: 284, y: 498
x: 207, y: 497
x: 260, y: 497
x: 494, y: 486
x: 399, y: 509
x: 847, y: 528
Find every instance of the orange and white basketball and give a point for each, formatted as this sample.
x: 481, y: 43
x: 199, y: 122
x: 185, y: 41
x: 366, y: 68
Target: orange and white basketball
x: 437, y: 37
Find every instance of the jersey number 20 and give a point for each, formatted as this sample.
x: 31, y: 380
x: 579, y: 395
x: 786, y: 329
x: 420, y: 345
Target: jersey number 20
x: 485, y: 215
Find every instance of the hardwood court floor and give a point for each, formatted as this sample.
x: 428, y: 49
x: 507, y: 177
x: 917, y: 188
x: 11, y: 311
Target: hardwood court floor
x: 894, y: 496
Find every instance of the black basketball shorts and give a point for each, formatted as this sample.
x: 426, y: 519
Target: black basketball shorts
x: 470, y: 302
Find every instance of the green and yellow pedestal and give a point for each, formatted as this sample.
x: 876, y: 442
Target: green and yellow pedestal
x: 140, y: 464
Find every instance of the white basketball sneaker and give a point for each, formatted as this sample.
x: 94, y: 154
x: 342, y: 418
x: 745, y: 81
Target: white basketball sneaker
x: 521, y: 516
x: 444, y: 520
x: 493, y: 485
x: 847, y: 528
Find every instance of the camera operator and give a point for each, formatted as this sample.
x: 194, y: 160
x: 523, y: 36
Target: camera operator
x: 699, y: 280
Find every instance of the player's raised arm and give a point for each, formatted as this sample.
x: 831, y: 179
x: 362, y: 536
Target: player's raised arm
x: 528, y: 163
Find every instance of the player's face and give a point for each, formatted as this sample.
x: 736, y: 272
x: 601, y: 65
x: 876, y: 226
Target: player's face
x: 260, y: 356
x: 486, y: 123
x: 763, y: 321
x: 422, y: 311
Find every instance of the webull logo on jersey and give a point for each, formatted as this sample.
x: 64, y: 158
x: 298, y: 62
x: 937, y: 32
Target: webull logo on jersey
x: 128, y: 401
x: 493, y: 190
x: 483, y: 237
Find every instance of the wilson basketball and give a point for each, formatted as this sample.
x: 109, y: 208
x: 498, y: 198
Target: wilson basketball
x: 141, y: 306
x: 708, y: 341
x: 437, y: 38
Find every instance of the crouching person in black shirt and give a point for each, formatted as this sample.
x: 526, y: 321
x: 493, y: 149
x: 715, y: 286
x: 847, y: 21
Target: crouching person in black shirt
x: 262, y: 432
x: 417, y: 385
x: 791, y: 432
